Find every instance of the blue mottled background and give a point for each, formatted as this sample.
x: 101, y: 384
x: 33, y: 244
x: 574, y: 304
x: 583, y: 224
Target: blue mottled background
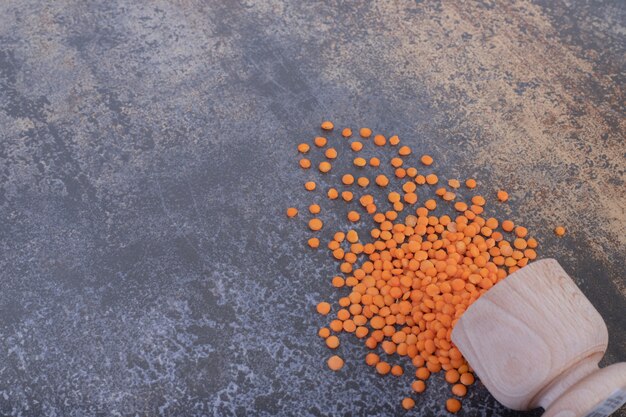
x: 147, y: 155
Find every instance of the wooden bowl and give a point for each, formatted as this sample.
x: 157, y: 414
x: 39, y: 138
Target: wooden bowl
x: 535, y: 340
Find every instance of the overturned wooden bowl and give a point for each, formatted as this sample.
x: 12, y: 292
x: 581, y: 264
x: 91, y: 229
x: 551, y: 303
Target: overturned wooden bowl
x: 535, y: 340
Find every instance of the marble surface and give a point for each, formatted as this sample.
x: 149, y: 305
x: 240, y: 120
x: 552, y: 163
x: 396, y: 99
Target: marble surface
x: 147, y: 157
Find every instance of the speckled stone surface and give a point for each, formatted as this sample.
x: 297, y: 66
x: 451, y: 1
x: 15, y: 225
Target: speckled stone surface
x: 147, y: 157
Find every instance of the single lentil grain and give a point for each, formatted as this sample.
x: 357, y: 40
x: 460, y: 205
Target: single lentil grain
x: 335, y: 363
x: 327, y: 125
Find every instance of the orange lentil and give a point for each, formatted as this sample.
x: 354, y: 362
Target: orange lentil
x: 324, y: 332
x: 324, y: 166
x: 335, y: 363
x: 356, y: 146
x: 338, y: 253
x: 309, y: 185
x: 430, y: 204
x: 338, y: 282
x: 404, y: 151
x: 303, y: 148
x: 420, y: 179
x: 320, y: 141
x: 409, y: 187
x: 431, y: 179
x: 449, y: 196
x: 508, y: 225
x: 460, y: 206
x: 343, y: 314
x: 347, y: 179
x: 314, y: 209
x: 459, y: 390
x: 383, y: 368
x: 292, y: 212
x: 396, y: 162
x: 365, y: 132
x: 397, y: 370
x: 559, y: 231
x: 354, y: 216
x: 426, y: 160
x: 519, y: 243
x: 419, y: 385
x: 393, y: 197
x: 305, y: 163
x: 330, y: 153
x: 502, y: 195
x: 323, y: 308
x: 478, y: 200
x: 394, y: 140
x: 422, y: 373
x: 454, y: 183
x: 332, y: 193
x: 352, y: 236
x: 411, y: 172
x: 363, y: 181
x: 452, y: 376
x: 332, y: 342
x: 470, y: 183
x: 476, y: 209
x: 453, y: 405
x: 359, y: 162
x: 521, y: 231
x: 366, y: 200
x: 347, y: 196
x: 467, y: 379
x: 313, y: 242
x: 530, y: 254
x: 346, y: 132
x: 408, y: 403
x: 315, y: 224
x: 336, y: 325
x: 379, y: 140
x: 382, y: 180
x: 372, y: 359
x: 410, y: 198
x: 327, y: 125
x: 375, y: 162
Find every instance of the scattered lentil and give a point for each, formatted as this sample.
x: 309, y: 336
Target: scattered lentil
x: 326, y: 125
x: 305, y: 163
x: 502, y: 195
x: 320, y: 141
x: 324, y: 166
x: 453, y: 405
x: 408, y: 403
x: 335, y: 363
x: 411, y: 283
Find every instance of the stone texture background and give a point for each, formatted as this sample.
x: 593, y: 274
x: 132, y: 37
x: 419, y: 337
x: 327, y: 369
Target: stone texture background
x: 147, y: 156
